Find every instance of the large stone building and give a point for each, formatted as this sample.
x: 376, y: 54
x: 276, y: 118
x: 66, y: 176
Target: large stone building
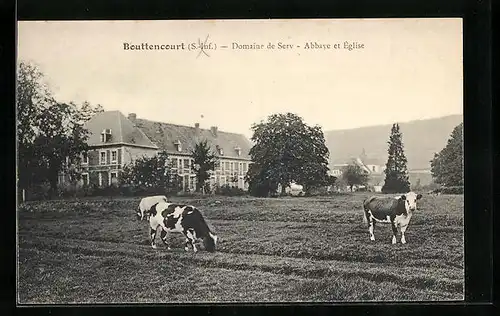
x: 116, y: 140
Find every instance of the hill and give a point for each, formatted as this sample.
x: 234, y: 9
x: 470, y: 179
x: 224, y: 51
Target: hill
x: 421, y: 139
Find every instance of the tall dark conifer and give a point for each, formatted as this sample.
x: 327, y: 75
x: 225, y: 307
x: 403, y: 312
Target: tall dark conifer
x: 396, y: 173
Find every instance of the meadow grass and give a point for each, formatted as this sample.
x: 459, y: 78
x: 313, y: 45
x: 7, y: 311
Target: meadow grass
x: 272, y: 250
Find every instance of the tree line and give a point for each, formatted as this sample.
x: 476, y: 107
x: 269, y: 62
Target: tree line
x: 51, y: 138
x: 50, y: 134
x: 446, y: 166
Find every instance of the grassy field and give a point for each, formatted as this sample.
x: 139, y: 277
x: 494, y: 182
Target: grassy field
x: 273, y: 250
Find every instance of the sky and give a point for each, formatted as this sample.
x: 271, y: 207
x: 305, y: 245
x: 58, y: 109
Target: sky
x: 407, y: 69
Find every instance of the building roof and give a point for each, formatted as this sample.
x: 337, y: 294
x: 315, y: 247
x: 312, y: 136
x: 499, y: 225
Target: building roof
x: 165, y: 136
x: 122, y: 130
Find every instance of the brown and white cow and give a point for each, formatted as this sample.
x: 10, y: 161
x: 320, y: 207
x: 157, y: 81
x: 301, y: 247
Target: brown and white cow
x: 394, y: 210
x: 146, y: 204
x: 180, y: 218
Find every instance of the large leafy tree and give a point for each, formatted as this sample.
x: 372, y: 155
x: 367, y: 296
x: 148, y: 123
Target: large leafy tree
x: 50, y: 134
x: 149, y: 172
x: 204, y: 161
x: 354, y: 175
x: 396, y: 173
x: 287, y: 150
x: 447, y: 165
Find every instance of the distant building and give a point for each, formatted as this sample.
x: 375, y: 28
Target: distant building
x: 116, y: 140
x: 375, y: 169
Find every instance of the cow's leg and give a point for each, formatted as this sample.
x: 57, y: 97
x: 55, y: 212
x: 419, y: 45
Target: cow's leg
x: 164, y: 236
x: 394, y: 231
x: 371, y: 224
x: 403, y: 229
x: 186, y: 245
x: 191, y: 235
x: 153, y: 235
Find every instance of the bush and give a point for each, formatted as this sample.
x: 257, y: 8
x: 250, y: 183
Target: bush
x: 229, y: 191
x: 452, y: 190
x: 319, y: 191
x: 38, y: 192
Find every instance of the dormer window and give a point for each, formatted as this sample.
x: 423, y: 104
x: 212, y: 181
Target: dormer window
x: 220, y: 150
x: 238, y: 150
x: 178, y: 145
x: 106, y: 135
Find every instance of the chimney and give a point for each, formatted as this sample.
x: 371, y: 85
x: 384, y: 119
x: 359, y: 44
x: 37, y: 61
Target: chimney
x: 132, y: 117
x: 214, y: 130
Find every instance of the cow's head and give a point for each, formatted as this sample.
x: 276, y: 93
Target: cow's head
x: 210, y: 242
x: 411, y: 199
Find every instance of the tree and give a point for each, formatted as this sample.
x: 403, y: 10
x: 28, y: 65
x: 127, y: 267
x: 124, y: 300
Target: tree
x: 32, y: 96
x: 51, y: 135
x: 447, y: 165
x: 287, y: 150
x: 354, y: 175
x: 149, y: 172
x: 396, y: 173
x: 204, y: 160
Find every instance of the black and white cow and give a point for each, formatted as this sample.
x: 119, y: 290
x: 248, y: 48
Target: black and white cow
x: 394, y: 210
x: 180, y: 218
x: 146, y: 204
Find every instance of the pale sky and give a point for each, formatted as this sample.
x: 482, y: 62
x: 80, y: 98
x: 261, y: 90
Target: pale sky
x: 408, y: 69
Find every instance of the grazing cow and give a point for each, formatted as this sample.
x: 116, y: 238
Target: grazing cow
x: 184, y: 219
x: 146, y: 204
x: 396, y: 211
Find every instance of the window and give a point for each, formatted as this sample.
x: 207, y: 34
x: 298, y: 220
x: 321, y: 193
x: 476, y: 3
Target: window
x: 60, y: 178
x: 105, y: 135
x: 113, y: 178
x: 174, y: 164
x: 186, y: 183
x: 103, y: 158
x: 220, y: 150
x: 373, y: 168
x: 186, y: 165
x: 114, y: 156
x: 178, y: 145
x: 85, y: 158
x: 192, y: 183
x: 85, y: 179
